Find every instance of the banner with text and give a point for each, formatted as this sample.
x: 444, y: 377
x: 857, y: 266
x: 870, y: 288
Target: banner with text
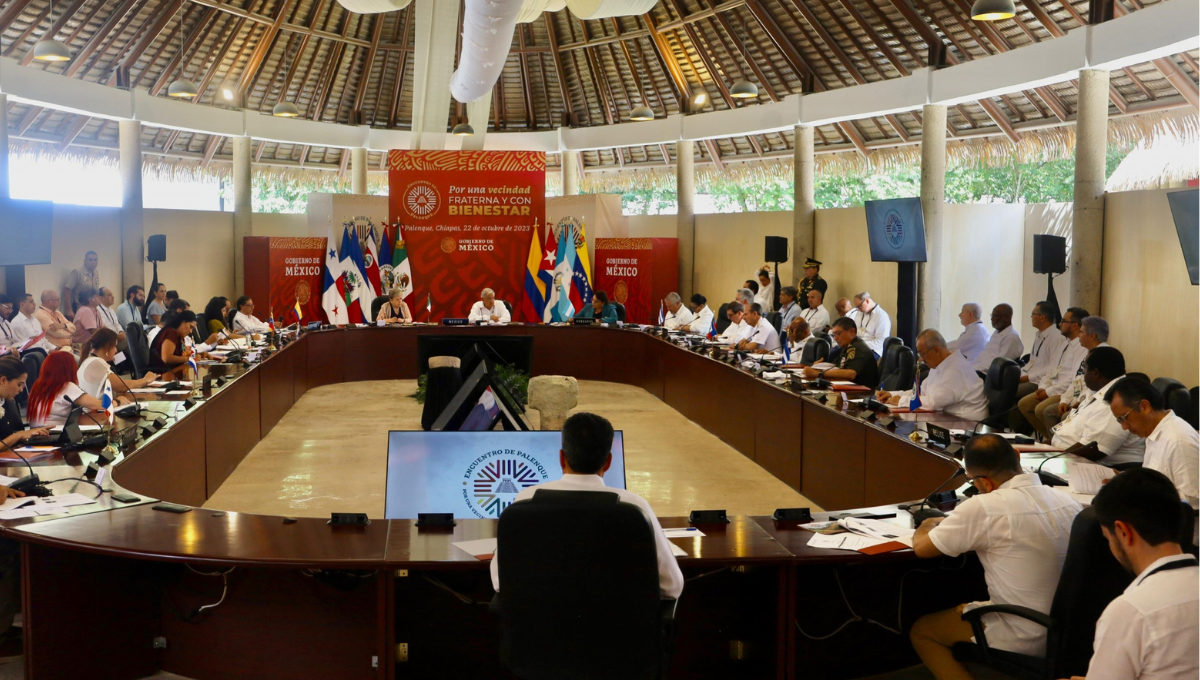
x: 467, y: 218
x: 285, y: 272
x: 637, y: 272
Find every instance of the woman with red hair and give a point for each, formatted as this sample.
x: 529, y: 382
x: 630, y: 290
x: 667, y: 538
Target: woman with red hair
x: 55, y: 392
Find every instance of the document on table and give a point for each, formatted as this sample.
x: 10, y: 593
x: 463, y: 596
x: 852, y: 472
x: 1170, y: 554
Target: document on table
x: 878, y: 529
x: 846, y: 541
x: 20, y: 508
x: 1087, y: 478
x: 481, y: 549
x: 160, y: 383
x: 148, y: 390
x: 178, y: 392
x: 683, y: 532
x: 82, y: 428
x: 677, y: 551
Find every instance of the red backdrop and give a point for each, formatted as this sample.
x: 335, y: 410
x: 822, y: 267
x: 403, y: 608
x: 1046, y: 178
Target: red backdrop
x: 638, y: 273
x: 280, y: 271
x: 467, y: 218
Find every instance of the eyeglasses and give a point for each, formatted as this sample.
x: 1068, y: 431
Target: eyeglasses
x: 972, y: 480
x: 1122, y: 419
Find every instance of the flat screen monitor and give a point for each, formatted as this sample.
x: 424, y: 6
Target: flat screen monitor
x: 514, y: 350
x: 896, y: 230
x: 1185, y: 208
x: 25, y: 231
x: 474, y: 475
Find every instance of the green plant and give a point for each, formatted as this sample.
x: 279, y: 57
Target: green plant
x: 515, y: 382
x: 422, y: 382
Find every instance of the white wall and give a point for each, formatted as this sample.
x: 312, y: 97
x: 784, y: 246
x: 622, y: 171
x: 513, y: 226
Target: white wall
x: 982, y: 256
x: 1043, y: 218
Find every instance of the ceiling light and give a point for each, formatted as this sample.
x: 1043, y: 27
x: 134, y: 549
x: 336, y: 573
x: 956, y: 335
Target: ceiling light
x: 744, y: 89
x: 463, y: 130
x: 51, y: 50
x: 227, y: 93
x: 993, y: 10
x: 700, y: 99
x: 285, y: 110
x: 183, y: 89
x: 642, y: 113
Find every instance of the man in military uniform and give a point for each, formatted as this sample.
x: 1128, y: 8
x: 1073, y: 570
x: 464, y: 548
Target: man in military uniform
x: 812, y: 279
x: 856, y: 362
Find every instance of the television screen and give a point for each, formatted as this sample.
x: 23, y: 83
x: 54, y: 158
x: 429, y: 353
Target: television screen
x: 474, y: 475
x: 25, y: 230
x: 1185, y: 208
x: 896, y: 230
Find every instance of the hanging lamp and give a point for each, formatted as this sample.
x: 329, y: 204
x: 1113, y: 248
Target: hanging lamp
x: 993, y: 10
x: 182, y: 88
x: 48, y: 49
x: 642, y: 113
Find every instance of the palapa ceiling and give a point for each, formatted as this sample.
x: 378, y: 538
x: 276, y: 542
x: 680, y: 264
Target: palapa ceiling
x: 338, y: 66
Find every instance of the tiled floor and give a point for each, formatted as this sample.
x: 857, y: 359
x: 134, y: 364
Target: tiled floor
x: 328, y: 454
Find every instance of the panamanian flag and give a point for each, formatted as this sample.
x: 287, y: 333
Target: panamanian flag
x: 333, y: 292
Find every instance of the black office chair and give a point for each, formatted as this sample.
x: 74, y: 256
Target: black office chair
x: 1090, y: 579
x: 32, y: 359
x: 620, y: 311
x: 722, y: 320
x: 377, y: 304
x: 442, y: 383
x: 579, y: 595
x: 200, y: 332
x: 887, y: 343
x: 899, y: 368
x: 139, y: 349
x: 816, y: 350
x: 1023, y: 360
x: 1193, y: 413
x: 1000, y: 388
x: 1175, y: 395
x: 776, y: 320
x: 508, y: 306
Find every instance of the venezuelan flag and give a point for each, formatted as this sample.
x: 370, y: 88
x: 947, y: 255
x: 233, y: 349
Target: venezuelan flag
x: 534, y: 302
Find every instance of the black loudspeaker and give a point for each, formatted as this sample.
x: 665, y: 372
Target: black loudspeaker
x: 777, y: 250
x: 156, y: 248
x: 1049, y: 254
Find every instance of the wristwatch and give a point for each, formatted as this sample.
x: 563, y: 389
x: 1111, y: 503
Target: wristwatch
x: 821, y: 375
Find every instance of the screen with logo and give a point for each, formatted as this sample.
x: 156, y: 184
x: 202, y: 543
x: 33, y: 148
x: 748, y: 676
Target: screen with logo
x: 1185, y: 208
x: 474, y: 475
x: 896, y: 230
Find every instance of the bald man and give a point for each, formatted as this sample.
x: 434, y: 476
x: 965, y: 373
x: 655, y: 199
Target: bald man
x: 58, y: 329
x: 1005, y: 342
x: 974, y: 336
x: 952, y: 385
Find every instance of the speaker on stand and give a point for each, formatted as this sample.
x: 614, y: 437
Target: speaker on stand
x: 156, y: 251
x: 1050, y: 258
x: 776, y: 251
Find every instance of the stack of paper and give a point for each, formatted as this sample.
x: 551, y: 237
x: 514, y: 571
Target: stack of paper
x: 869, y: 536
x: 1087, y: 478
x: 20, y: 508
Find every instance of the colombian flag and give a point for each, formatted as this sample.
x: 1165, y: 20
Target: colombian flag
x: 534, y: 303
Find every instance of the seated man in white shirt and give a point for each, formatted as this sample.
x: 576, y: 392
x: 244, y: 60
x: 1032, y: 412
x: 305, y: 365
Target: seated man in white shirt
x: 1019, y: 529
x: 763, y: 336
x: 488, y: 309
x: 677, y: 314
x: 1093, y: 420
x: 1153, y: 629
x: 1036, y: 406
x: 1093, y: 333
x: 952, y: 385
x: 244, y: 321
x: 585, y: 456
x: 789, y: 308
x: 1005, y: 342
x: 1172, y: 445
x: 815, y: 313
x: 26, y: 327
x: 702, y: 317
x: 874, y: 324
x: 974, y: 336
x: 737, y: 328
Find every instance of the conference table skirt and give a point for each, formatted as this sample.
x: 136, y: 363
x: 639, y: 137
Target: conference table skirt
x: 123, y: 589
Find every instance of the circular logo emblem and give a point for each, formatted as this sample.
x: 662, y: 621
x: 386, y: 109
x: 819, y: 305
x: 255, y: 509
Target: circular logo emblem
x: 303, y: 292
x: 621, y: 292
x: 449, y: 245
x: 495, y: 485
x: 421, y: 199
x: 893, y: 228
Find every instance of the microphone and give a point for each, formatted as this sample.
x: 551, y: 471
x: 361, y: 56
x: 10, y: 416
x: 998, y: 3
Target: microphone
x: 975, y: 430
x: 137, y: 405
x: 30, y: 484
x: 922, y: 512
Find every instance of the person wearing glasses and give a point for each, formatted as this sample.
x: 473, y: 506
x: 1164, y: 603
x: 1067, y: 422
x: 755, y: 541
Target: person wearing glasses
x: 1172, y: 445
x: 244, y: 322
x: 1019, y: 529
x: 952, y: 385
x: 856, y: 362
x: 1048, y: 346
x: 1044, y: 402
x: 1093, y: 420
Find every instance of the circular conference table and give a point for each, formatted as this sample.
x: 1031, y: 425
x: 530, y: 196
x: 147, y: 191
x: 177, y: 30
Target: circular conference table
x: 114, y: 590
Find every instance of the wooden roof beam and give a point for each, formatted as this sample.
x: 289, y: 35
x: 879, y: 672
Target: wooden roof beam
x: 1182, y: 82
x: 559, y: 71
x: 850, y: 130
x: 526, y: 82
x: 827, y: 38
x: 1000, y: 118
x: 799, y: 65
x: 666, y: 57
x: 266, y: 41
x: 376, y: 32
x: 198, y: 34
x: 746, y: 56
x: 285, y: 26
x: 148, y: 35
x: 918, y: 23
x: 714, y: 153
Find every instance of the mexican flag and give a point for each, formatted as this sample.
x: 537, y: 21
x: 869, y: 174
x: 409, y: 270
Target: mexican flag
x: 401, y: 271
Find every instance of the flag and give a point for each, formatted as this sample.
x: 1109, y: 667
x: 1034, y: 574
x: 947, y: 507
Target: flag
x: 333, y: 292
x: 549, y: 257
x: 581, y: 274
x: 533, y: 305
x: 358, y: 294
x: 712, y: 329
x: 195, y: 369
x: 662, y: 313
x: 401, y: 269
x: 299, y: 314
x: 429, y: 307
x: 106, y: 401
x: 386, y: 280
x: 915, y: 402
x: 271, y: 322
x: 558, y: 305
x: 787, y: 350
x: 371, y: 260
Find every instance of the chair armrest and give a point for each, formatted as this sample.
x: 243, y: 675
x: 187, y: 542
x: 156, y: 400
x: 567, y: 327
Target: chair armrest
x: 666, y: 611
x: 1015, y: 610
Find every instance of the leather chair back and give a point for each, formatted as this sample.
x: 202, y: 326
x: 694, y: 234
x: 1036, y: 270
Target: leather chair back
x: 377, y: 304
x: 620, y: 311
x: 899, y: 368
x: 776, y: 320
x: 721, y: 319
x: 200, y: 332
x: 139, y: 349
x: 1175, y: 395
x: 816, y: 350
x: 1193, y: 414
x: 508, y: 306
x: 578, y: 588
x: 888, y: 342
x: 1000, y: 388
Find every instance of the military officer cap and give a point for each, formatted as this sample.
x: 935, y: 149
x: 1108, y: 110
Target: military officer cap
x: 811, y: 263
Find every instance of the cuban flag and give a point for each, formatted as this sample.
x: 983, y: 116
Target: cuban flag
x: 662, y: 312
x: 333, y: 292
x: 712, y: 330
x: 107, y: 401
x: 193, y: 367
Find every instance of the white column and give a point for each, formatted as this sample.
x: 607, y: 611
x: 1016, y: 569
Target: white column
x: 685, y: 222
x: 570, y: 172
x: 1087, y: 225
x: 804, y: 226
x: 4, y: 189
x: 133, y: 240
x: 358, y: 171
x: 243, y: 213
x: 933, y: 199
